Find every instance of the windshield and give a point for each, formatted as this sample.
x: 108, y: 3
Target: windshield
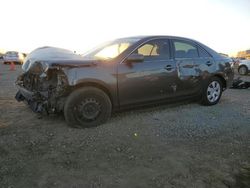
x: 110, y: 50
x: 11, y: 54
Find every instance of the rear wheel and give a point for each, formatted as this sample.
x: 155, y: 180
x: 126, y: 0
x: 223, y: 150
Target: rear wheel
x: 87, y: 107
x: 212, y: 91
x: 243, y: 70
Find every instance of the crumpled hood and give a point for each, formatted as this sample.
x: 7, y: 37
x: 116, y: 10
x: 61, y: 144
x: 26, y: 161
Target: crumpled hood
x: 55, y: 57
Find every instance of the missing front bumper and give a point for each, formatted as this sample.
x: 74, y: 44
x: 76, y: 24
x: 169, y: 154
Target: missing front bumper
x: 34, y: 100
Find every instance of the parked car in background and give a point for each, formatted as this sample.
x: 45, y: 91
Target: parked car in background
x: 125, y: 72
x: 244, y: 66
x: 1, y: 58
x: 13, y: 57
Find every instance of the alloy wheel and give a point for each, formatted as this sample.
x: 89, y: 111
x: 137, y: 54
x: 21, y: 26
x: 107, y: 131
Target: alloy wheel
x: 243, y: 70
x: 213, y: 91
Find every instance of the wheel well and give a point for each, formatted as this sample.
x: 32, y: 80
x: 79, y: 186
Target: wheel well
x: 242, y: 66
x: 99, y: 86
x: 224, y: 83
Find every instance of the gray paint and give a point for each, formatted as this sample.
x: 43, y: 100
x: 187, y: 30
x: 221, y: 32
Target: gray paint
x: 134, y: 83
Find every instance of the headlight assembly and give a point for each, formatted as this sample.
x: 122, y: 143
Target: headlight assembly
x: 45, y: 66
x: 39, y: 67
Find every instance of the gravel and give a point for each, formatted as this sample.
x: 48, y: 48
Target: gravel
x: 177, y: 145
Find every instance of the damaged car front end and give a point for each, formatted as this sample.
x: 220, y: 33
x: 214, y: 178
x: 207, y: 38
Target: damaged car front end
x: 41, y: 88
x: 44, y: 83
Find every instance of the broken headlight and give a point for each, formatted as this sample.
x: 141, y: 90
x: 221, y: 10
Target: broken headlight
x: 45, y: 66
x: 39, y: 67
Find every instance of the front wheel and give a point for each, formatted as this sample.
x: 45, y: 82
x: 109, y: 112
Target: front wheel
x: 87, y: 107
x: 212, y: 91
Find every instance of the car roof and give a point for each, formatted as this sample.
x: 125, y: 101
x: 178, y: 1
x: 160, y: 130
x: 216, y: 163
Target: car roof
x: 245, y: 60
x: 147, y: 37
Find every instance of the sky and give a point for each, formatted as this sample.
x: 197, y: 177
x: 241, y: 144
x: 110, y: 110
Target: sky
x: 80, y: 25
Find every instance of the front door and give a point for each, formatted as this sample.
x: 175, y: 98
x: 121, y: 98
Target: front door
x: 152, y: 79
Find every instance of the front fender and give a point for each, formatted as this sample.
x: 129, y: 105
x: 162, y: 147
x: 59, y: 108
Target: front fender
x: 95, y: 76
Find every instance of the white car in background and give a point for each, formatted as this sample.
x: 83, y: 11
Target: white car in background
x: 244, y: 67
x: 12, y: 56
x: 1, y: 58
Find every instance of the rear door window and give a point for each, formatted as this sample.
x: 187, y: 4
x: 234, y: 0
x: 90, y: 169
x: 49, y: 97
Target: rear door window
x: 183, y: 49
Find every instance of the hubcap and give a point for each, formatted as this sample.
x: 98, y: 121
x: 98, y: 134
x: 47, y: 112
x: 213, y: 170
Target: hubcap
x: 243, y: 70
x: 213, y: 91
x: 88, y: 109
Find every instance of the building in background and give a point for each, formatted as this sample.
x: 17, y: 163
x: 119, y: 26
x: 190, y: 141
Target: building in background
x: 244, y: 54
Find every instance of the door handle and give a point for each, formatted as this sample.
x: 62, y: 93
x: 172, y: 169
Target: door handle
x: 169, y: 67
x: 209, y: 63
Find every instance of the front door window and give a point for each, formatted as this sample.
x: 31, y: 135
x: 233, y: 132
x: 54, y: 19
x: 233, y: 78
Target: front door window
x: 155, y: 50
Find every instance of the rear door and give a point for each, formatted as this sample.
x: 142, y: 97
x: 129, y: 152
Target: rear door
x: 192, y: 63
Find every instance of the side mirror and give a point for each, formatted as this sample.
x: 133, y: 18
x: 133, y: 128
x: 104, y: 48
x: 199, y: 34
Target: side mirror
x: 135, y: 58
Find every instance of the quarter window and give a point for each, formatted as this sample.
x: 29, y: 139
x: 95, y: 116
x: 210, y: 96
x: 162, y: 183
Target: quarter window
x: 185, y: 50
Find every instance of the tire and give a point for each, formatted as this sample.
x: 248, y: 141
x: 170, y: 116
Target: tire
x: 87, y: 107
x: 243, y: 70
x: 212, y: 91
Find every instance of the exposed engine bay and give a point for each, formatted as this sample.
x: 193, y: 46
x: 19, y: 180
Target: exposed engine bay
x: 43, y: 92
x: 44, y: 83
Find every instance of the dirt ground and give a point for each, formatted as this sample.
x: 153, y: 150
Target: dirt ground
x: 177, y: 145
